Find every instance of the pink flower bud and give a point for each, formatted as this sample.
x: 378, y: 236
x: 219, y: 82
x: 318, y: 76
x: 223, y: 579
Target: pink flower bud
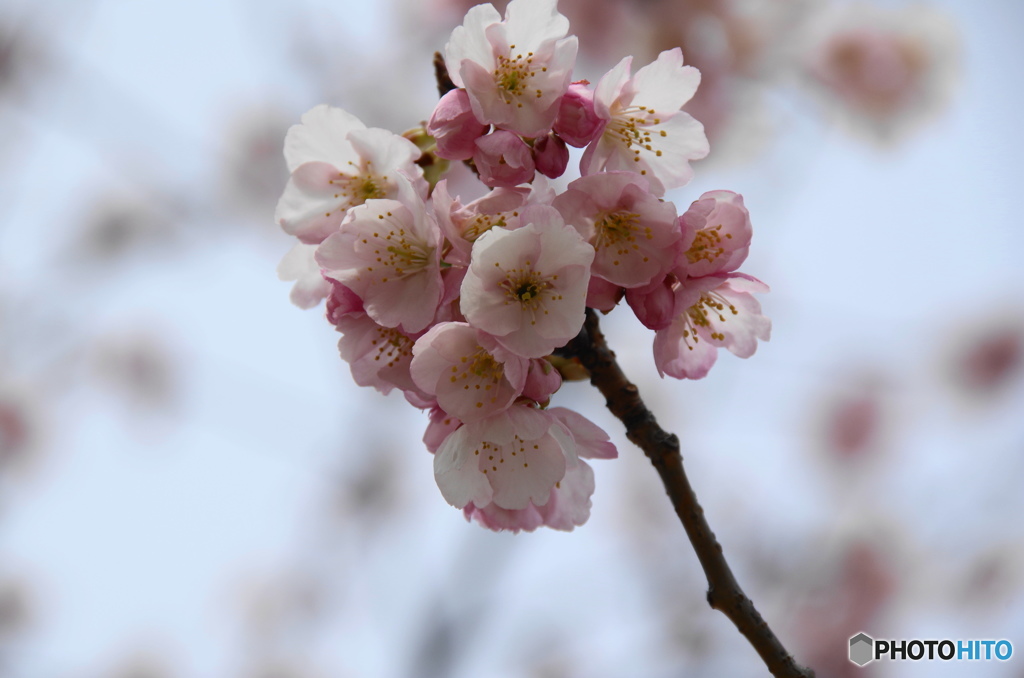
x: 602, y: 295
x: 342, y: 302
x: 654, y: 305
x: 542, y: 380
x: 454, y: 127
x: 551, y: 156
x: 503, y: 159
x: 577, y: 123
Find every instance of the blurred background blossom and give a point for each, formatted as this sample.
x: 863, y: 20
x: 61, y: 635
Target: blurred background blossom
x: 191, y: 485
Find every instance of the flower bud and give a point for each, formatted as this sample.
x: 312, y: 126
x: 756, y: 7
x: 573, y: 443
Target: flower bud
x: 551, y: 156
x: 503, y: 159
x: 454, y: 127
x: 542, y: 380
x: 602, y: 295
x: 577, y: 123
x: 654, y: 305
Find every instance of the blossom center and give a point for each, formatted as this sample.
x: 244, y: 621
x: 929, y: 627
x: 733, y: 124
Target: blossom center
x: 398, y: 251
x: 484, y: 370
x: 482, y: 223
x: 631, y: 127
x: 360, y: 185
x: 710, y: 306
x: 391, y: 346
x: 513, y: 74
x: 495, y: 454
x: 529, y: 289
x: 707, y: 246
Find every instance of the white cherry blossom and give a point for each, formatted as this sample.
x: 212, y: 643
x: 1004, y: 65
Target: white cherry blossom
x: 337, y: 163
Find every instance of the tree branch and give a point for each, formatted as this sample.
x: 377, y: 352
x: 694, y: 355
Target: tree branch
x: 662, y: 448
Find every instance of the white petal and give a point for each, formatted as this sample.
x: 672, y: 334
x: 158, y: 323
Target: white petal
x: 321, y: 136
x: 665, y: 85
x: 469, y: 42
x: 457, y: 472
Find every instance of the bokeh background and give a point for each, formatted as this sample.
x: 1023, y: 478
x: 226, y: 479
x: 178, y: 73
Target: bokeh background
x: 192, y: 486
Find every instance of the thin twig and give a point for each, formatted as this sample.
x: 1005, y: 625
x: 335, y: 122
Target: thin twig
x: 662, y: 448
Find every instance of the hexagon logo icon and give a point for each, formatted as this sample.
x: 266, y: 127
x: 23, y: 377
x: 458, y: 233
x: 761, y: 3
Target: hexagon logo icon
x: 862, y: 649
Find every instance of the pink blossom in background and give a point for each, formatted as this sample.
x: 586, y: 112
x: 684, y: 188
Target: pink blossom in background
x: 881, y: 71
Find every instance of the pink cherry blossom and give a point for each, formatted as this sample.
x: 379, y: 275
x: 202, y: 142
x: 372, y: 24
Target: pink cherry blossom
x: 513, y: 459
x: 515, y: 71
x: 634, y: 234
x: 528, y: 287
x: 503, y: 159
x: 337, y: 163
x: 378, y: 356
x: 568, y: 504
x: 388, y: 253
x: 717, y: 311
x: 470, y: 374
x: 882, y: 71
x: 454, y: 127
x: 645, y: 131
x: 717, y: 234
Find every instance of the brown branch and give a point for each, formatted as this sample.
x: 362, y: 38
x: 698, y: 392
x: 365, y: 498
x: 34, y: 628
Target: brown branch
x: 444, y: 81
x: 662, y: 448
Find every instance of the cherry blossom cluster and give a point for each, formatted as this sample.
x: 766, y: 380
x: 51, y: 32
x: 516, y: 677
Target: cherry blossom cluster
x: 463, y: 307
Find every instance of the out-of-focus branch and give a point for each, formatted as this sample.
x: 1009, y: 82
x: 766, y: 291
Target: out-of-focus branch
x: 444, y: 81
x: 662, y: 448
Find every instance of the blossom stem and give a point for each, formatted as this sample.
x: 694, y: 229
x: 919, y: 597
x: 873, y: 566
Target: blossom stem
x: 662, y: 448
